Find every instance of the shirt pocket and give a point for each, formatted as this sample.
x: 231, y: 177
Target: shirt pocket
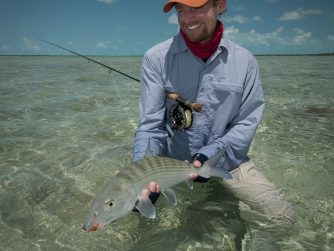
x: 224, y: 92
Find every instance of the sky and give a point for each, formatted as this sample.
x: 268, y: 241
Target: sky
x: 130, y: 27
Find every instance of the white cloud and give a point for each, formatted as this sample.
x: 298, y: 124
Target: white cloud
x: 330, y: 38
x: 301, y: 36
x: 241, y: 19
x: 270, y: 40
x: 31, y: 44
x: 299, y: 14
x: 231, y: 31
x: 257, y: 19
x: 299, y: 31
x: 107, y: 1
x: 102, y: 45
x: 173, y: 19
x: 236, y: 19
x: 252, y: 37
x: 291, y: 15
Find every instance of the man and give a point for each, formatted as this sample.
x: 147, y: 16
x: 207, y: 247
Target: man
x: 200, y: 65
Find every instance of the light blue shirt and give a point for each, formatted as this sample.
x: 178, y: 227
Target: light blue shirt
x: 228, y: 87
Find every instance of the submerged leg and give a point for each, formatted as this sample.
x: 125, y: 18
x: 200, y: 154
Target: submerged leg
x: 268, y: 215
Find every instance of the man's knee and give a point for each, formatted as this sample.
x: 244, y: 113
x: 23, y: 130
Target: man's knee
x: 266, y: 205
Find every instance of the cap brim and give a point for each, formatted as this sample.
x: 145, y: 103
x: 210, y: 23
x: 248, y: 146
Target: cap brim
x: 192, y: 3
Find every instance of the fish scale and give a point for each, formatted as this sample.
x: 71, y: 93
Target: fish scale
x: 153, y: 165
x: 159, y: 169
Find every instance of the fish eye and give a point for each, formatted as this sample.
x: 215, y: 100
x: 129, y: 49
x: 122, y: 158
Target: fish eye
x: 110, y: 203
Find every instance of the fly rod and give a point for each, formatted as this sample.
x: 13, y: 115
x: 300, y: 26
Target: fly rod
x: 173, y: 96
x: 89, y: 59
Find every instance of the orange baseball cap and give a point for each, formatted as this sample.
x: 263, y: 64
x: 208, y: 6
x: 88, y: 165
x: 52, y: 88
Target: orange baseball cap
x: 192, y: 3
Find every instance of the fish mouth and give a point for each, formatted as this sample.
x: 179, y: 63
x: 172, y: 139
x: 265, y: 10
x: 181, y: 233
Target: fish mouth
x: 90, y: 228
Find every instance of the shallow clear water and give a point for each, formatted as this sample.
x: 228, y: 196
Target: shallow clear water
x: 66, y: 125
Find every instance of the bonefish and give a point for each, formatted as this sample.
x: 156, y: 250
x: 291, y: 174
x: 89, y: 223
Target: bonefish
x: 127, y: 189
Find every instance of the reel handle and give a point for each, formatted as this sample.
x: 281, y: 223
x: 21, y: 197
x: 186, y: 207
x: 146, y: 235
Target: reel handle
x: 193, y: 106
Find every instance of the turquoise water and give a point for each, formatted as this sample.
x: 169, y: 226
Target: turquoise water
x: 66, y: 125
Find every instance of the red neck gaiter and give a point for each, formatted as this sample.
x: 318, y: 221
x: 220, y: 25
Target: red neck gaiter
x: 204, y: 51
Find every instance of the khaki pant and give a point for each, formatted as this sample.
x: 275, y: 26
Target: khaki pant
x: 262, y: 205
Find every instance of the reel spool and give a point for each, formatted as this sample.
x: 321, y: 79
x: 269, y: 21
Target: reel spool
x: 181, y: 116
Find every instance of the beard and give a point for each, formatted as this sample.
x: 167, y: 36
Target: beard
x: 198, y: 35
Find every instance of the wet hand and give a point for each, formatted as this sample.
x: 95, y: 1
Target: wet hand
x: 154, y: 187
x: 197, y: 164
x: 198, y: 160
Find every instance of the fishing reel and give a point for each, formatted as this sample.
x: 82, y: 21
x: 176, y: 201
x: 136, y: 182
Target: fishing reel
x: 181, y: 113
x: 181, y: 116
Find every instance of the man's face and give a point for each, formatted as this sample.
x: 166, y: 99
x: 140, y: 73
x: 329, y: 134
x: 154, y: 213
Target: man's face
x: 199, y: 23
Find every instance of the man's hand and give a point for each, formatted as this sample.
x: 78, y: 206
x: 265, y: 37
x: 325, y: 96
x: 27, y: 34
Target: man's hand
x: 198, y: 160
x: 154, y: 187
x: 197, y: 164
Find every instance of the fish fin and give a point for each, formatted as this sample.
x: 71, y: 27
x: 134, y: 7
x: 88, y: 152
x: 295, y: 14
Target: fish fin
x: 170, y: 196
x: 214, y: 160
x: 208, y: 169
x: 145, y: 206
x: 190, y: 183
